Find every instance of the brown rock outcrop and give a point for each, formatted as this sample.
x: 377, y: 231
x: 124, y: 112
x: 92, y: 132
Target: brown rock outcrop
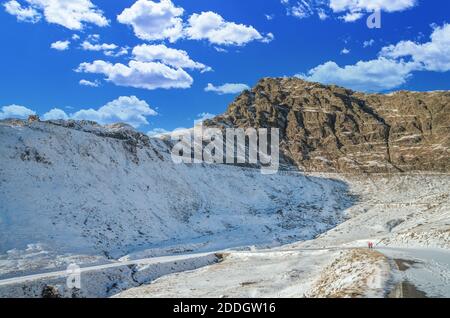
x: 333, y: 129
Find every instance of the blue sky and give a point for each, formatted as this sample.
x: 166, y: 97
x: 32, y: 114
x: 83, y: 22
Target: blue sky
x: 158, y: 57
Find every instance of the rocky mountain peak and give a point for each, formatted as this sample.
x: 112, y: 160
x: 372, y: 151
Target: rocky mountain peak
x: 334, y: 129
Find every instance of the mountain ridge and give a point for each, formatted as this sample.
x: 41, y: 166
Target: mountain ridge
x: 327, y: 128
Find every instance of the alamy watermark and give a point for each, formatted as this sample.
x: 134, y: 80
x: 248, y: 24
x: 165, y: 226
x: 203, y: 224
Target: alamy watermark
x: 231, y: 146
x: 73, y: 280
x: 374, y: 20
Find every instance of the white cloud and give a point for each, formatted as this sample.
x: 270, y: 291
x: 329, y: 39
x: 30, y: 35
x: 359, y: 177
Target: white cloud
x: 268, y: 38
x: 368, y: 43
x: 162, y: 20
x: 202, y: 117
x: 375, y: 75
x: 60, y: 45
x: 228, y: 88
x: 431, y: 56
x: 269, y: 17
x: 116, y: 53
x: 15, y: 111
x: 126, y: 109
x: 109, y: 49
x: 147, y: 75
x: 157, y: 132
x: 93, y: 37
x: 304, y: 9
x: 55, y: 114
x: 165, y: 55
x: 371, y: 5
x: 301, y: 10
x: 151, y: 67
x: 352, y: 16
x: 355, y: 9
x: 322, y: 14
x: 84, y: 82
x: 154, y: 20
x: 212, y: 27
x: 75, y: 37
x: 73, y: 14
x: 347, y: 10
x: 394, y: 66
x: 28, y: 14
x: 345, y: 51
x: 220, y: 49
x: 87, y: 46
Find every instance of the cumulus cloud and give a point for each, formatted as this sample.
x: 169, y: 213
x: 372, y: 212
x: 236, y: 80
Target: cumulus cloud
x: 24, y: 14
x: 371, y: 5
x: 355, y: 9
x: 375, y: 75
x: 163, y: 20
x: 352, y: 16
x: 116, y: 53
x: 160, y: 132
x: 151, y: 67
x: 228, y: 88
x: 212, y: 27
x: 55, y: 114
x: 157, y: 132
x: 88, y: 46
x: 154, y: 20
x: 73, y: 14
x: 393, y: 67
x: 161, y: 53
x: 15, y: 111
x: 431, y: 56
x: 84, y: 82
x: 109, y: 49
x: 60, y: 45
x: 125, y: 109
x: 146, y: 75
x: 347, y: 10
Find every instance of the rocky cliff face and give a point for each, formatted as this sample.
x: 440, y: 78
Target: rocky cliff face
x: 333, y: 129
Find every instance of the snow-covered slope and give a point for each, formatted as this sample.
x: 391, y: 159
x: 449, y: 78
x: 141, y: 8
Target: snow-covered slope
x: 76, y: 192
x: 406, y: 216
x: 79, y: 192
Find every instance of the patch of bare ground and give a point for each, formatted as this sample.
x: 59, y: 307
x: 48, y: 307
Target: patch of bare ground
x: 356, y: 273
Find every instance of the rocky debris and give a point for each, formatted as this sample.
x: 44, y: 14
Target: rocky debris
x: 356, y: 273
x: 333, y: 129
x: 31, y: 154
x: 132, y: 140
x: 33, y: 118
x: 119, y: 131
x: 50, y: 292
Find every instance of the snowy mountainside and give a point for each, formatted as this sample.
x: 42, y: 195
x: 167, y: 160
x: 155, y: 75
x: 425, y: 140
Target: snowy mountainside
x: 406, y: 216
x: 77, y: 190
